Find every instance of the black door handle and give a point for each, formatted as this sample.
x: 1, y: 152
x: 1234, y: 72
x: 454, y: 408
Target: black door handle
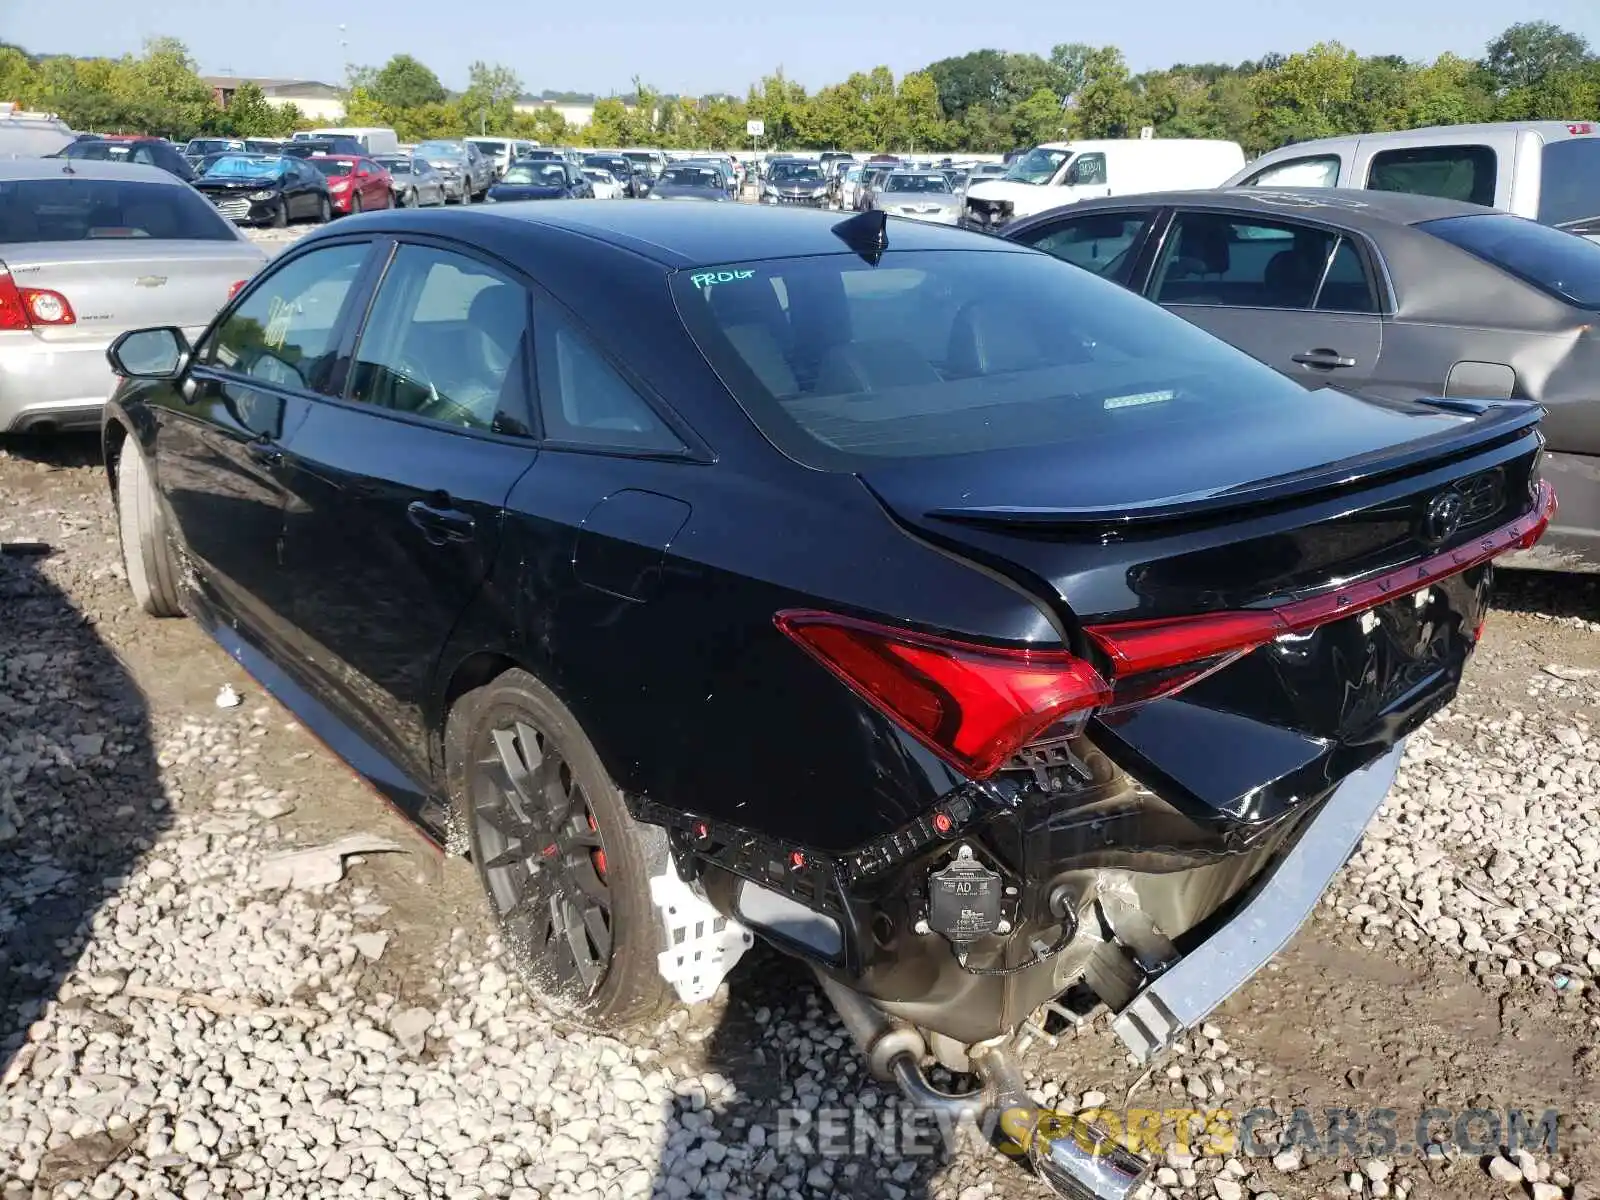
x: 267, y: 453
x: 1326, y: 360
x: 440, y: 525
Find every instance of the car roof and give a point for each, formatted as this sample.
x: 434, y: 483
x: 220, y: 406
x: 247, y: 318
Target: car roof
x: 680, y: 236
x: 85, y: 168
x: 1359, y: 208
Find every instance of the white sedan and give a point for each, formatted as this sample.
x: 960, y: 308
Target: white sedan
x: 605, y: 183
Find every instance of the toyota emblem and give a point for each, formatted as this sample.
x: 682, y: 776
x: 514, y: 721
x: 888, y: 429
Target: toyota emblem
x: 1443, y: 516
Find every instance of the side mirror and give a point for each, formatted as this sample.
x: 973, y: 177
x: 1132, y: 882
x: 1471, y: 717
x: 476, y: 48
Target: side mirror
x: 159, y: 353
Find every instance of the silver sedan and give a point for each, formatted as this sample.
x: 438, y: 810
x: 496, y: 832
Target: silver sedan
x: 919, y: 195
x: 91, y: 250
x: 416, y: 184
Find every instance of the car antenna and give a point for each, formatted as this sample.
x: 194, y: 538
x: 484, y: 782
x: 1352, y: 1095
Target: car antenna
x: 866, y: 233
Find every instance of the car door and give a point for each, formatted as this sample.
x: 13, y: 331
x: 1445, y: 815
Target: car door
x: 1300, y: 297
x: 397, y: 486
x: 220, y: 433
x: 1106, y: 242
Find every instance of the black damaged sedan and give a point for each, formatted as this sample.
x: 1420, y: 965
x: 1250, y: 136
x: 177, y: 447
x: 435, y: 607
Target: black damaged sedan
x: 951, y: 619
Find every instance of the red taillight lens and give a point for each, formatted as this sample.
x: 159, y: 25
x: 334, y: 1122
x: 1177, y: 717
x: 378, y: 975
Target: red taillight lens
x: 234, y: 290
x: 13, y: 312
x: 1580, y: 127
x: 47, y: 308
x: 974, y: 706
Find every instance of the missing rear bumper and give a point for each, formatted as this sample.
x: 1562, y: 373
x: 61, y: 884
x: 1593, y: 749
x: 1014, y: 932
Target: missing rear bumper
x: 1185, y: 993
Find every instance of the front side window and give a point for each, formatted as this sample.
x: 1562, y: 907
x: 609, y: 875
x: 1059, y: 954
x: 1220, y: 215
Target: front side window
x: 1320, y: 171
x: 930, y: 353
x: 1216, y: 259
x: 1569, y: 183
x: 63, y: 209
x: 1105, y: 243
x: 585, y: 400
x: 446, y: 340
x: 1088, y: 169
x: 1557, y: 263
x: 283, y: 332
x: 1449, y: 172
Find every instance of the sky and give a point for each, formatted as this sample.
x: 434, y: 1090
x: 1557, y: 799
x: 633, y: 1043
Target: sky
x: 600, y: 45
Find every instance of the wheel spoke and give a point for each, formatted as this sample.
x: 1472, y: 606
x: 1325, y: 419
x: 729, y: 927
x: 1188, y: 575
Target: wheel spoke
x: 576, y: 933
x: 594, y: 920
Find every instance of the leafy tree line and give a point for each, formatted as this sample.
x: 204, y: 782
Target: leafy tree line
x: 987, y: 100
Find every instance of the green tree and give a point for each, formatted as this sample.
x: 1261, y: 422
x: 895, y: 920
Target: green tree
x: 1071, y: 59
x: 1308, y: 96
x: 1039, y: 118
x: 491, y: 96
x: 404, y: 82
x: 921, y: 116
x: 250, y: 114
x: 1105, y: 105
x: 1528, y: 53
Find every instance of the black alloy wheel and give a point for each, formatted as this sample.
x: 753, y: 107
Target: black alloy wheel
x: 544, y: 859
x: 566, y: 868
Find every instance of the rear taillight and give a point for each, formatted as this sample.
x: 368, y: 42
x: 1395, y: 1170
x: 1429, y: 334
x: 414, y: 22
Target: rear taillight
x: 974, y: 706
x: 234, y: 290
x: 1580, y: 127
x: 24, y: 308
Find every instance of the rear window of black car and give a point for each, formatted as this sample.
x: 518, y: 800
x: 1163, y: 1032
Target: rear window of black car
x: 1562, y: 264
x: 944, y: 352
x: 1569, y: 181
x: 75, y: 210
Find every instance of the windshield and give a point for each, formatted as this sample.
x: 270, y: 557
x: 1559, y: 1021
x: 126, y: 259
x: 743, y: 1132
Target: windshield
x: 608, y: 164
x: 930, y: 353
x: 918, y: 183
x: 639, y: 156
x: 692, y: 176
x: 599, y: 174
x: 489, y: 147
x: 242, y: 166
x: 208, y: 145
x: 1569, y: 182
x: 1560, y: 264
x: 396, y: 166
x: 1038, y: 165
x: 537, y: 174
x: 796, y: 173
x: 74, y: 210
x: 333, y: 166
x: 438, y: 150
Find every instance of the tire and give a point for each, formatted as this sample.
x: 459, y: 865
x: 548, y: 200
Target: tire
x: 596, y: 868
x: 280, y: 215
x: 324, y: 211
x: 146, y: 546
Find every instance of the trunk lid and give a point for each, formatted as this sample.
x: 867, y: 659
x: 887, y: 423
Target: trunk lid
x: 116, y: 285
x: 1386, y: 512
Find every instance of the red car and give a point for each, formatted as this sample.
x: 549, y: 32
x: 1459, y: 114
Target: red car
x: 354, y: 184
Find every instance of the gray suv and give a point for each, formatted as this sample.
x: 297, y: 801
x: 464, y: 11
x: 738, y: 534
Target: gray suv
x: 467, y: 172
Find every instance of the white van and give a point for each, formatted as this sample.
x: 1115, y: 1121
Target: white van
x: 376, y: 139
x: 1058, y: 173
x: 31, y: 134
x: 1547, y: 171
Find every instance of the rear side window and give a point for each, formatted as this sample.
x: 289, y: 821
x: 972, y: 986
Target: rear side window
x: 933, y: 353
x: 75, y: 210
x: 446, y: 340
x: 1320, y: 171
x: 1218, y: 260
x: 1569, y: 182
x: 584, y: 399
x: 1560, y: 264
x: 1449, y: 172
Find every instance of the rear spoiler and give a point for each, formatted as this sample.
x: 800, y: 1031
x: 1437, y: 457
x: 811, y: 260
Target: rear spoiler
x: 1494, y: 422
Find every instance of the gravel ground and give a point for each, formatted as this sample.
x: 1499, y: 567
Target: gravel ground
x: 208, y: 990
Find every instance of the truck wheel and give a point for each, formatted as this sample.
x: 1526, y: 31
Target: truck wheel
x: 142, y: 529
x: 567, y: 869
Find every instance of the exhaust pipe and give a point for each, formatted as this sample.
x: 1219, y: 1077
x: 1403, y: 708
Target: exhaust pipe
x: 1075, y: 1159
